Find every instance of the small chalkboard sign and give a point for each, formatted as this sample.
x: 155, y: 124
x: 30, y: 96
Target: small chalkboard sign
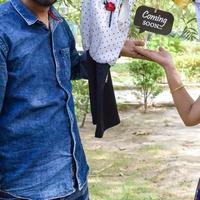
x: 153, y: 20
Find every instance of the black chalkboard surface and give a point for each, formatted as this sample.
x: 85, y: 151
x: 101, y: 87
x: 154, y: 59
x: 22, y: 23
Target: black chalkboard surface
x: 153, y: 20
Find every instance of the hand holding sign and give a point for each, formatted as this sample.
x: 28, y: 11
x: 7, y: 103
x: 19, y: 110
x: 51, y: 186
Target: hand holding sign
x: 153, y: 20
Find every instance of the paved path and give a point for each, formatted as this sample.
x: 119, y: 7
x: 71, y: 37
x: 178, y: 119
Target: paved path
x: 165, y: 98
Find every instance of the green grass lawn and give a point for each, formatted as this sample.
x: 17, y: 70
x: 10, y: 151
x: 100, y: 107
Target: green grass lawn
x: 120, y: 74
x: 125, y: 176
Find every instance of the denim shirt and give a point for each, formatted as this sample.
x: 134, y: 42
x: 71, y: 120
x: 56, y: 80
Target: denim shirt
x: 39, y: 137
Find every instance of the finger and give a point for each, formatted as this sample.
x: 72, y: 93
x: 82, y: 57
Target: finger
x: 139, y: 56
x: 144, y: 52
x: 152, y: 55
x: 139, y: 43
x: 136, y: 48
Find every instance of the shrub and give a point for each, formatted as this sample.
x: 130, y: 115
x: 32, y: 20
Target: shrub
x: 81, y: 98
x: 146, y: 76
x: 189, y: 64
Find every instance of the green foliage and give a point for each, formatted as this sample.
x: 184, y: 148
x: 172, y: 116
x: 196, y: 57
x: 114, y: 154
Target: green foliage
x: 189, y: 32
x: 189, y: 64
x: 81, y: 97
x: 146, y: 76
x: 172, y: 44
x: 71, y: 10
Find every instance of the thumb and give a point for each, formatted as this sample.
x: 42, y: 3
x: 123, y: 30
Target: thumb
x: 139, y: 43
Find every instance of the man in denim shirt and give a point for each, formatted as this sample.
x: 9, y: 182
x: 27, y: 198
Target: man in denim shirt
x: 41, y: 155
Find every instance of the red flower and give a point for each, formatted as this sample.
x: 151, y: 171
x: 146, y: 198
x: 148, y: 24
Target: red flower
x: 110, y: 6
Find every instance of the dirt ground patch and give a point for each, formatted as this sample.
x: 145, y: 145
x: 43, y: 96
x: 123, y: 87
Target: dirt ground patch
x: 147, y: 157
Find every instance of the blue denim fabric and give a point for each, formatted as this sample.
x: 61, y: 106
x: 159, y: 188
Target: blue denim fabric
x: 77, y: 195
x: 39, y: 137
x: 197, y: 195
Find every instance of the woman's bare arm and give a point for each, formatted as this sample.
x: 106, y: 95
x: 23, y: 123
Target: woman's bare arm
x: 188, y: 109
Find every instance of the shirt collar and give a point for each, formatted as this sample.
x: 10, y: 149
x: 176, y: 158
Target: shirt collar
x: 53, y: 13
x: 28, y: 16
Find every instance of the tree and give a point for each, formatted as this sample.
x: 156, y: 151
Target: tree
x: 146, y: 76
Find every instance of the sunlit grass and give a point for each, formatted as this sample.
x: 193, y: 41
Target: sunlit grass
x: 124, y: 176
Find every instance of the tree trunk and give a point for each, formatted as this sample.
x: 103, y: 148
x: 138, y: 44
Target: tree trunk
x: 85, y: 113
x: 145, y: 103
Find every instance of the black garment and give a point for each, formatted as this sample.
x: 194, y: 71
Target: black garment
x: 102, y: 98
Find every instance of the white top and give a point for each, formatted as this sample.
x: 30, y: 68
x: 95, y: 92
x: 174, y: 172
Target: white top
x: 103, y: 42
